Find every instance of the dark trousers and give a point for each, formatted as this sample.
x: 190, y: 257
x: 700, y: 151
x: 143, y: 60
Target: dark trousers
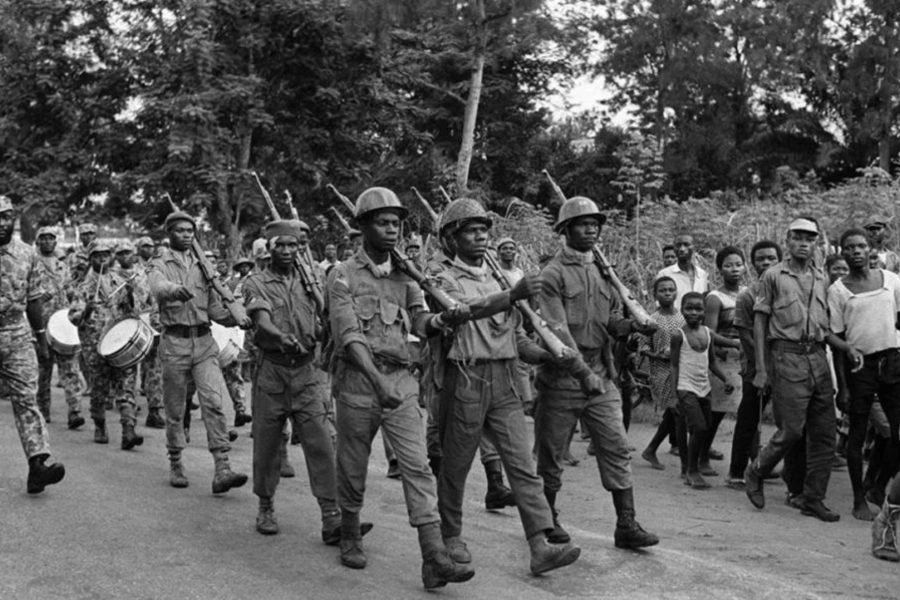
x: 745, y: 443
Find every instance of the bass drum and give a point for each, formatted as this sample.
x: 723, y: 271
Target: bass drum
x: 127, y: 343
x: 62, y: 334
x: 225, y: 340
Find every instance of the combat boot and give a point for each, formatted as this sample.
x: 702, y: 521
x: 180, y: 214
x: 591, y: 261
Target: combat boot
x: 177, y: 478
x: 884, y: 533
x: 438, y: 568
x: 100, y: 436
x: 498, y: 495
x: 629, y: 534
x: 155, y: 420
x: 286, y: 469
x: 129, y: 438
x: 457, y: 550
x: 225, y: 479
x: 331, y: 523
x: 40, y: 475
x: 265, y: 518
x: 352, y: 554
x: 546, y: 557
x: 75, y: 420
x: 558, y: 535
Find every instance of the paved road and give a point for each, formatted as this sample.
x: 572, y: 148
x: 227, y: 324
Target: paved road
x: 115, y: 529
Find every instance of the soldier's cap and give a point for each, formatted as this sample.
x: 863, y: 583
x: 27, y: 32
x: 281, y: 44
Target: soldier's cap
x: 242, y: 260
x: 506, y: 240
x: 283, y: 228
x: 876, y: 222
x: 47, y: 230
x: 178, y: 215
x: 87, y: 228
x: 301, y: 225
x: 145, y: 240
x: 100, y: 245
x: 802, y: 224
x: 5, y: 204
x: 125, y: 246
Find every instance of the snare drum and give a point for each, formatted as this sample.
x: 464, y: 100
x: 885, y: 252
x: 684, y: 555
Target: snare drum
x: 127, y: 343
x: 225, y: 340
x: 62, y: 334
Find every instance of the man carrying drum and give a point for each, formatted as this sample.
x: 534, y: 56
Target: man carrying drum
x: 188, y: 352
x: 21, y: 297
x: 99, y: 301
x: 56, y: 276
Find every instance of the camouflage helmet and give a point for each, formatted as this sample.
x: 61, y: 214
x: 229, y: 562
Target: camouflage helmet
x: 460, y: 211
x: 577, y: 206
x: 378, y: 198
x: 101, y: 245
x: 125, y: 246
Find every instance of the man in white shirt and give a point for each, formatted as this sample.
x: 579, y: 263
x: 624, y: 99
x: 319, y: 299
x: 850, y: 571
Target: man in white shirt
x: 688, y: 277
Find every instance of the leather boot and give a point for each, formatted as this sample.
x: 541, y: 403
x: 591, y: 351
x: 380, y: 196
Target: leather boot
x: 546, y: 557
x: 129, y: 438
x: 629, y: 533
x: 40, y: 475
x: 557, y: 535
x: 75, y: 420
x: 287, y: 469
x: 438, y: 569
x: 177, y: 478
x: 225, y: 478
x: 884, y: 533
x: 100, y: 436
x: 352, y: 554
x: 265, y: 518
x: 498, y: 495
x: 331, y: 523
x: 155, y: 420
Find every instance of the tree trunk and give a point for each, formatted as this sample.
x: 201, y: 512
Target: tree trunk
x: 467, y: 146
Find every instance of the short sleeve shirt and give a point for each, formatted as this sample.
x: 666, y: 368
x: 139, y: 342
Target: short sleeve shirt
x: 868, y: 319
x: 796, y: 303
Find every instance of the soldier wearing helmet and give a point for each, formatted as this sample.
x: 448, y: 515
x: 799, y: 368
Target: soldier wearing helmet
x: 479, y: 394
x: 21, y: 331
x: 585, y: 311
x: 373, y: 306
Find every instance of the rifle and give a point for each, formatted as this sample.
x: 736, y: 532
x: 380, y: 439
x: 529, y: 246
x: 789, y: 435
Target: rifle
x: 446, y: 196
x: 403, y: 262
x: 307, y: 273
x: 341, y: 219
x: 307, y: 254
x: 591, y: 383
x: 635, y: 309
x: 435, y: 218
x: 212, y: 276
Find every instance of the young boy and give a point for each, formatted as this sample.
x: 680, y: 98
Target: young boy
x: 693, y: 359
x: 656, y: 347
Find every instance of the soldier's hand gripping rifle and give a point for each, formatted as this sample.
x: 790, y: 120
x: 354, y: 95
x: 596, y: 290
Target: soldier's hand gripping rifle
x: 212, y: 278
x: 307, y: 273
x: 403, y: 262
x: 635, y: 309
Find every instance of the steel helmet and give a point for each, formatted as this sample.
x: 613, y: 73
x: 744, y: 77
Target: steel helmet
x: 378, y: 198
x: 577, y: 206
x: 460, y: 211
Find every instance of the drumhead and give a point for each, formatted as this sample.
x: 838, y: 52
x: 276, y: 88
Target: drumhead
x: 118, y: 336
x: 61, y: 329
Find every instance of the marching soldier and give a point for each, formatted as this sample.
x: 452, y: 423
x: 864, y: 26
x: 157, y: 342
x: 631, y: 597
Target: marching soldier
x: 188, y: 351
x: 56, y: 277
x: 78, y: 261
x: 100, y: 300
x: 373, y: 306
x: 585, y: 310
x: 145, y: 250
x: 479, y: 390
x: 20, y: 298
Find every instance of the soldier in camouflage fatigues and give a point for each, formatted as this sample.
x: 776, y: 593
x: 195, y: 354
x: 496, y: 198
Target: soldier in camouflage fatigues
x: 78, y: 267
x: 100, y: 300
x: 56, y: 278
x: 21, y: 296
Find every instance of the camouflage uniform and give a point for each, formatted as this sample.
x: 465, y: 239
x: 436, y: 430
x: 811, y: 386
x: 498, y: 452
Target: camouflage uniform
x: 151, y: 371
x: 107, y: 382
x: 56, y: 277
x: 21, y: 282
x: 234, y: 381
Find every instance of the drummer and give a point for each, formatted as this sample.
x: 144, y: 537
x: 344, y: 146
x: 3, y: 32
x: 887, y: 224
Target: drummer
x: 100, y: 300
x: 78, y: 261
x: 56, y: 276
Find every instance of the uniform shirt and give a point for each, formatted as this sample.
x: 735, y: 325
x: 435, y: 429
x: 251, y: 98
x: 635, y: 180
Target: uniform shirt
x: 868, y: 319
x: 579, y: 304
x: 173, y: 269
x: 376, y: 305
x: 108, y: 309
x: 684, y: 283
x: 21, y: 281
x: 797, y: 304
x: 292, y: 309
x: 743, y: 319
x: 56, y: 279
x: 498, y: 337
x: 78, y: 260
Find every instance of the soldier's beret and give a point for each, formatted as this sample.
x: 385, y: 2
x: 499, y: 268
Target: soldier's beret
x: 282, y: 228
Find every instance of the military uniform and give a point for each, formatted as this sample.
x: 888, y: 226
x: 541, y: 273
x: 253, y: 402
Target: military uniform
x: 290, y: 387
x: 21, y: 285
x: 56, y: 279
x: 188, y: 352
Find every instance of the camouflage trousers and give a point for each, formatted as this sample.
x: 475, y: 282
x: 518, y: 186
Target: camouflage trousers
x: 234, y: 381
x: 109, y: 384
x: 151, y: 380
x: 68, y: 376
x: 18, y: 382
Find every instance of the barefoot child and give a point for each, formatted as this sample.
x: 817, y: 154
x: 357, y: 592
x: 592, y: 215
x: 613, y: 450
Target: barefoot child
x: 693, y: 359
x: 656, y: 347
